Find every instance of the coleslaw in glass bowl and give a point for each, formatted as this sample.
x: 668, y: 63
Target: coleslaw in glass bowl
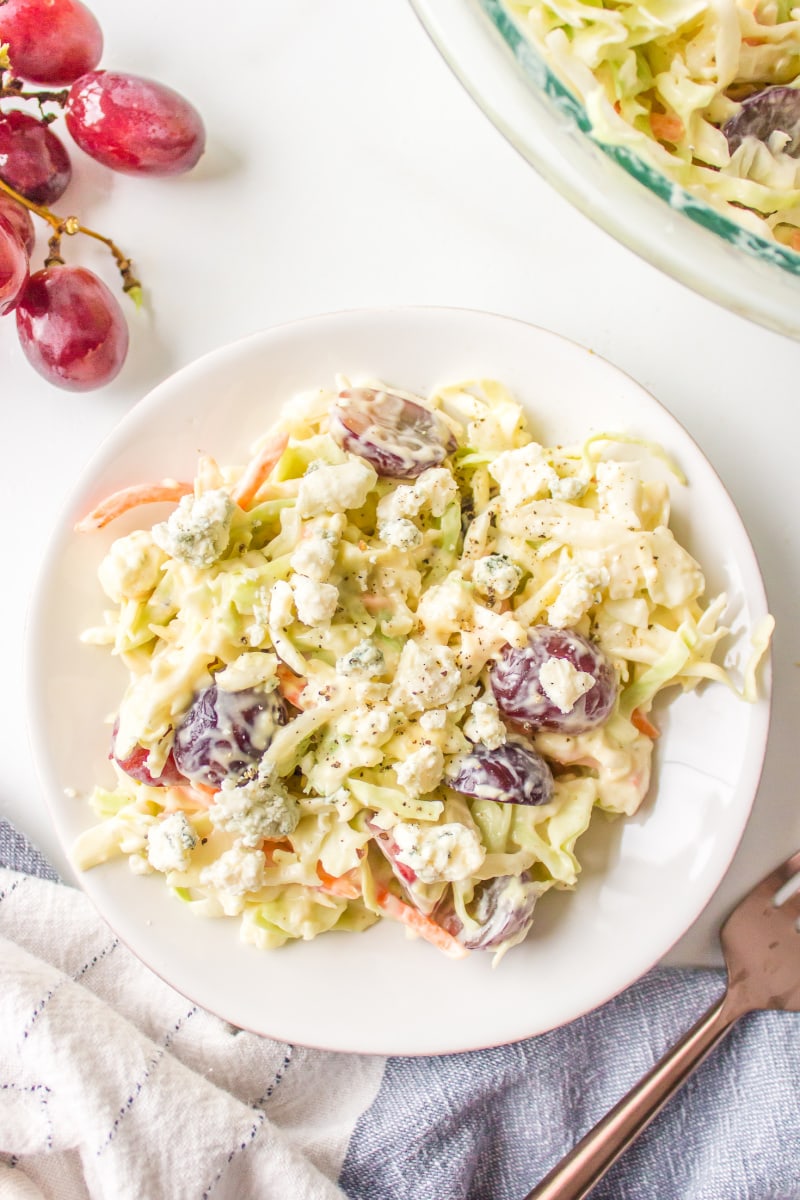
x: 391, y: 666
x: 672, y: 126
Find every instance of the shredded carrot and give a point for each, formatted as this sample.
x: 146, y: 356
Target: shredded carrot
x: 269, y: 846
x: 794, y: 239
x: 291, y: 686
x: 666, y: 127
x: 348, y: 886
x: 131, y: 497
x: 185, y: 798
x: 398, y: 910
x: 205, y: 787
x: 643, y: 724
x: 258, y: 469
x: 373, y: 603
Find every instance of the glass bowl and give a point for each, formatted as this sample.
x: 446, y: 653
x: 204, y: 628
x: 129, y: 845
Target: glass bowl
x: 629, y: 198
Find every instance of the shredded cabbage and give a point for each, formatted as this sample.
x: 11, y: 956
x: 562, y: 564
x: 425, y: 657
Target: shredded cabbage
x: 662, y: 79
x: 385, y: 675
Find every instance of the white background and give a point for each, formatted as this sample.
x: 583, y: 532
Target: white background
x: 346, y: 167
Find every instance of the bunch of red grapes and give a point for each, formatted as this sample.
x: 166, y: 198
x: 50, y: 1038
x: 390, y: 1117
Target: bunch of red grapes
x: 70, y: 325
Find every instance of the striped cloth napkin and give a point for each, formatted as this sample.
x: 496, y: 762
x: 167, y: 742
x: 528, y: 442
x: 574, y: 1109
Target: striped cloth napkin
x: 113, y: 1086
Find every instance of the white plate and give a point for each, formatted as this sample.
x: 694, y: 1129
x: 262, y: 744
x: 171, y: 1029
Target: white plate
x: 644, y: 880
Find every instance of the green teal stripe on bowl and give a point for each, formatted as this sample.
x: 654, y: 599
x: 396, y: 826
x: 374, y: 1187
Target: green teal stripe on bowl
x: 541, y: 78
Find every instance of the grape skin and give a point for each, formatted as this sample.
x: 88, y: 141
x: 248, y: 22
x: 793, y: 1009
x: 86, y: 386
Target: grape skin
x: 134, y: 125
x: 71, y: 328
x: 20, y: 220
x: 764, y: 113
x: 510, y: 774
x: 399, y: 438
x: 502, y: 907
x: 13, y: 266
x: 135, y: 765
x: 32, y: 159
x: 515, y: 682
x: 50, y: 41
x: 225, y: 733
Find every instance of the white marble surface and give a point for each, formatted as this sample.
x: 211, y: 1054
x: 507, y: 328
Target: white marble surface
x: 346, y: 167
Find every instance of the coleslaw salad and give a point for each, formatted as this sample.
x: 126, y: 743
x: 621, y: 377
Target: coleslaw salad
x: 352, y: 621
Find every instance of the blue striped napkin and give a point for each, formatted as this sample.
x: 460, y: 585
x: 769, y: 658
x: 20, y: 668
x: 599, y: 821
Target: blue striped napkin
x: 113, y: 1086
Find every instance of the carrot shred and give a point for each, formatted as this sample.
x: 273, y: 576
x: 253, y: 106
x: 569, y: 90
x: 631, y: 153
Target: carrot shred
x: 118, y: 503
x: 398, y: 910
x: 258, y: 469
x: 270, y: 845
x: 291, y: 686
x: 348, y: 886
x: 373, y: 603
x: 643, y: 724
x: 794, y: 239
x: 666, y: 127
x: 185, y: 798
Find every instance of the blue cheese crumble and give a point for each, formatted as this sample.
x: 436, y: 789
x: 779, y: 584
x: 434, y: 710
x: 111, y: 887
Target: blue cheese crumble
x: 198, y: 530
x: 170, y: 843
x: 439, y: 853
x: 496, y: 577
x: 254, y: 810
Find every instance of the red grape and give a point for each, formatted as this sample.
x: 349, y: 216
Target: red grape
x: 50, y: 41
x: 224, y: 733
x: 135, y: 765
x: 501, y: 907
x: 509, y: 774
x: 399, y: 438
x: 32, y: 159
x: 134, y: 125
x: 776, y: 108
x: 519, y: 693
x: 72, y: 328
x: 13, y: 266
x: 20, y: 220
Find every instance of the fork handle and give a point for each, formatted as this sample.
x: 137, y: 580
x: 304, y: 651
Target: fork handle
x: 586, y: 1164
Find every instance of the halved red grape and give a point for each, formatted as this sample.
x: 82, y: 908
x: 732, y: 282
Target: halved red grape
x: 224, y: 733
x: 134, y: 125
x: 502, y: 907
x: 50, y: 41
x: 511, y: 774
x: 406, y: 875
x: 776, y: 108
x: 71, y: 328
x: 135, y: 765
x: 516, y: 683
x: 399, y: 438
x: 19, y: 219
x: 13, y: 266
x: 32, y: 159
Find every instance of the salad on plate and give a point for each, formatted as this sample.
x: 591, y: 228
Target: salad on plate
x: 393, y: 665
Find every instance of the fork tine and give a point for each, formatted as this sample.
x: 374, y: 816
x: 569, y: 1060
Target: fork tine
x: 772, y: 883
x: 791, y: 905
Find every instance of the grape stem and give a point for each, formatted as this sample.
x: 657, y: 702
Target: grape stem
x: 71, y: 226
x: 13, y: 89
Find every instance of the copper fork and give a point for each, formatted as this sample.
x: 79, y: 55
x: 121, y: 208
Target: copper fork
x: 762, y: 954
